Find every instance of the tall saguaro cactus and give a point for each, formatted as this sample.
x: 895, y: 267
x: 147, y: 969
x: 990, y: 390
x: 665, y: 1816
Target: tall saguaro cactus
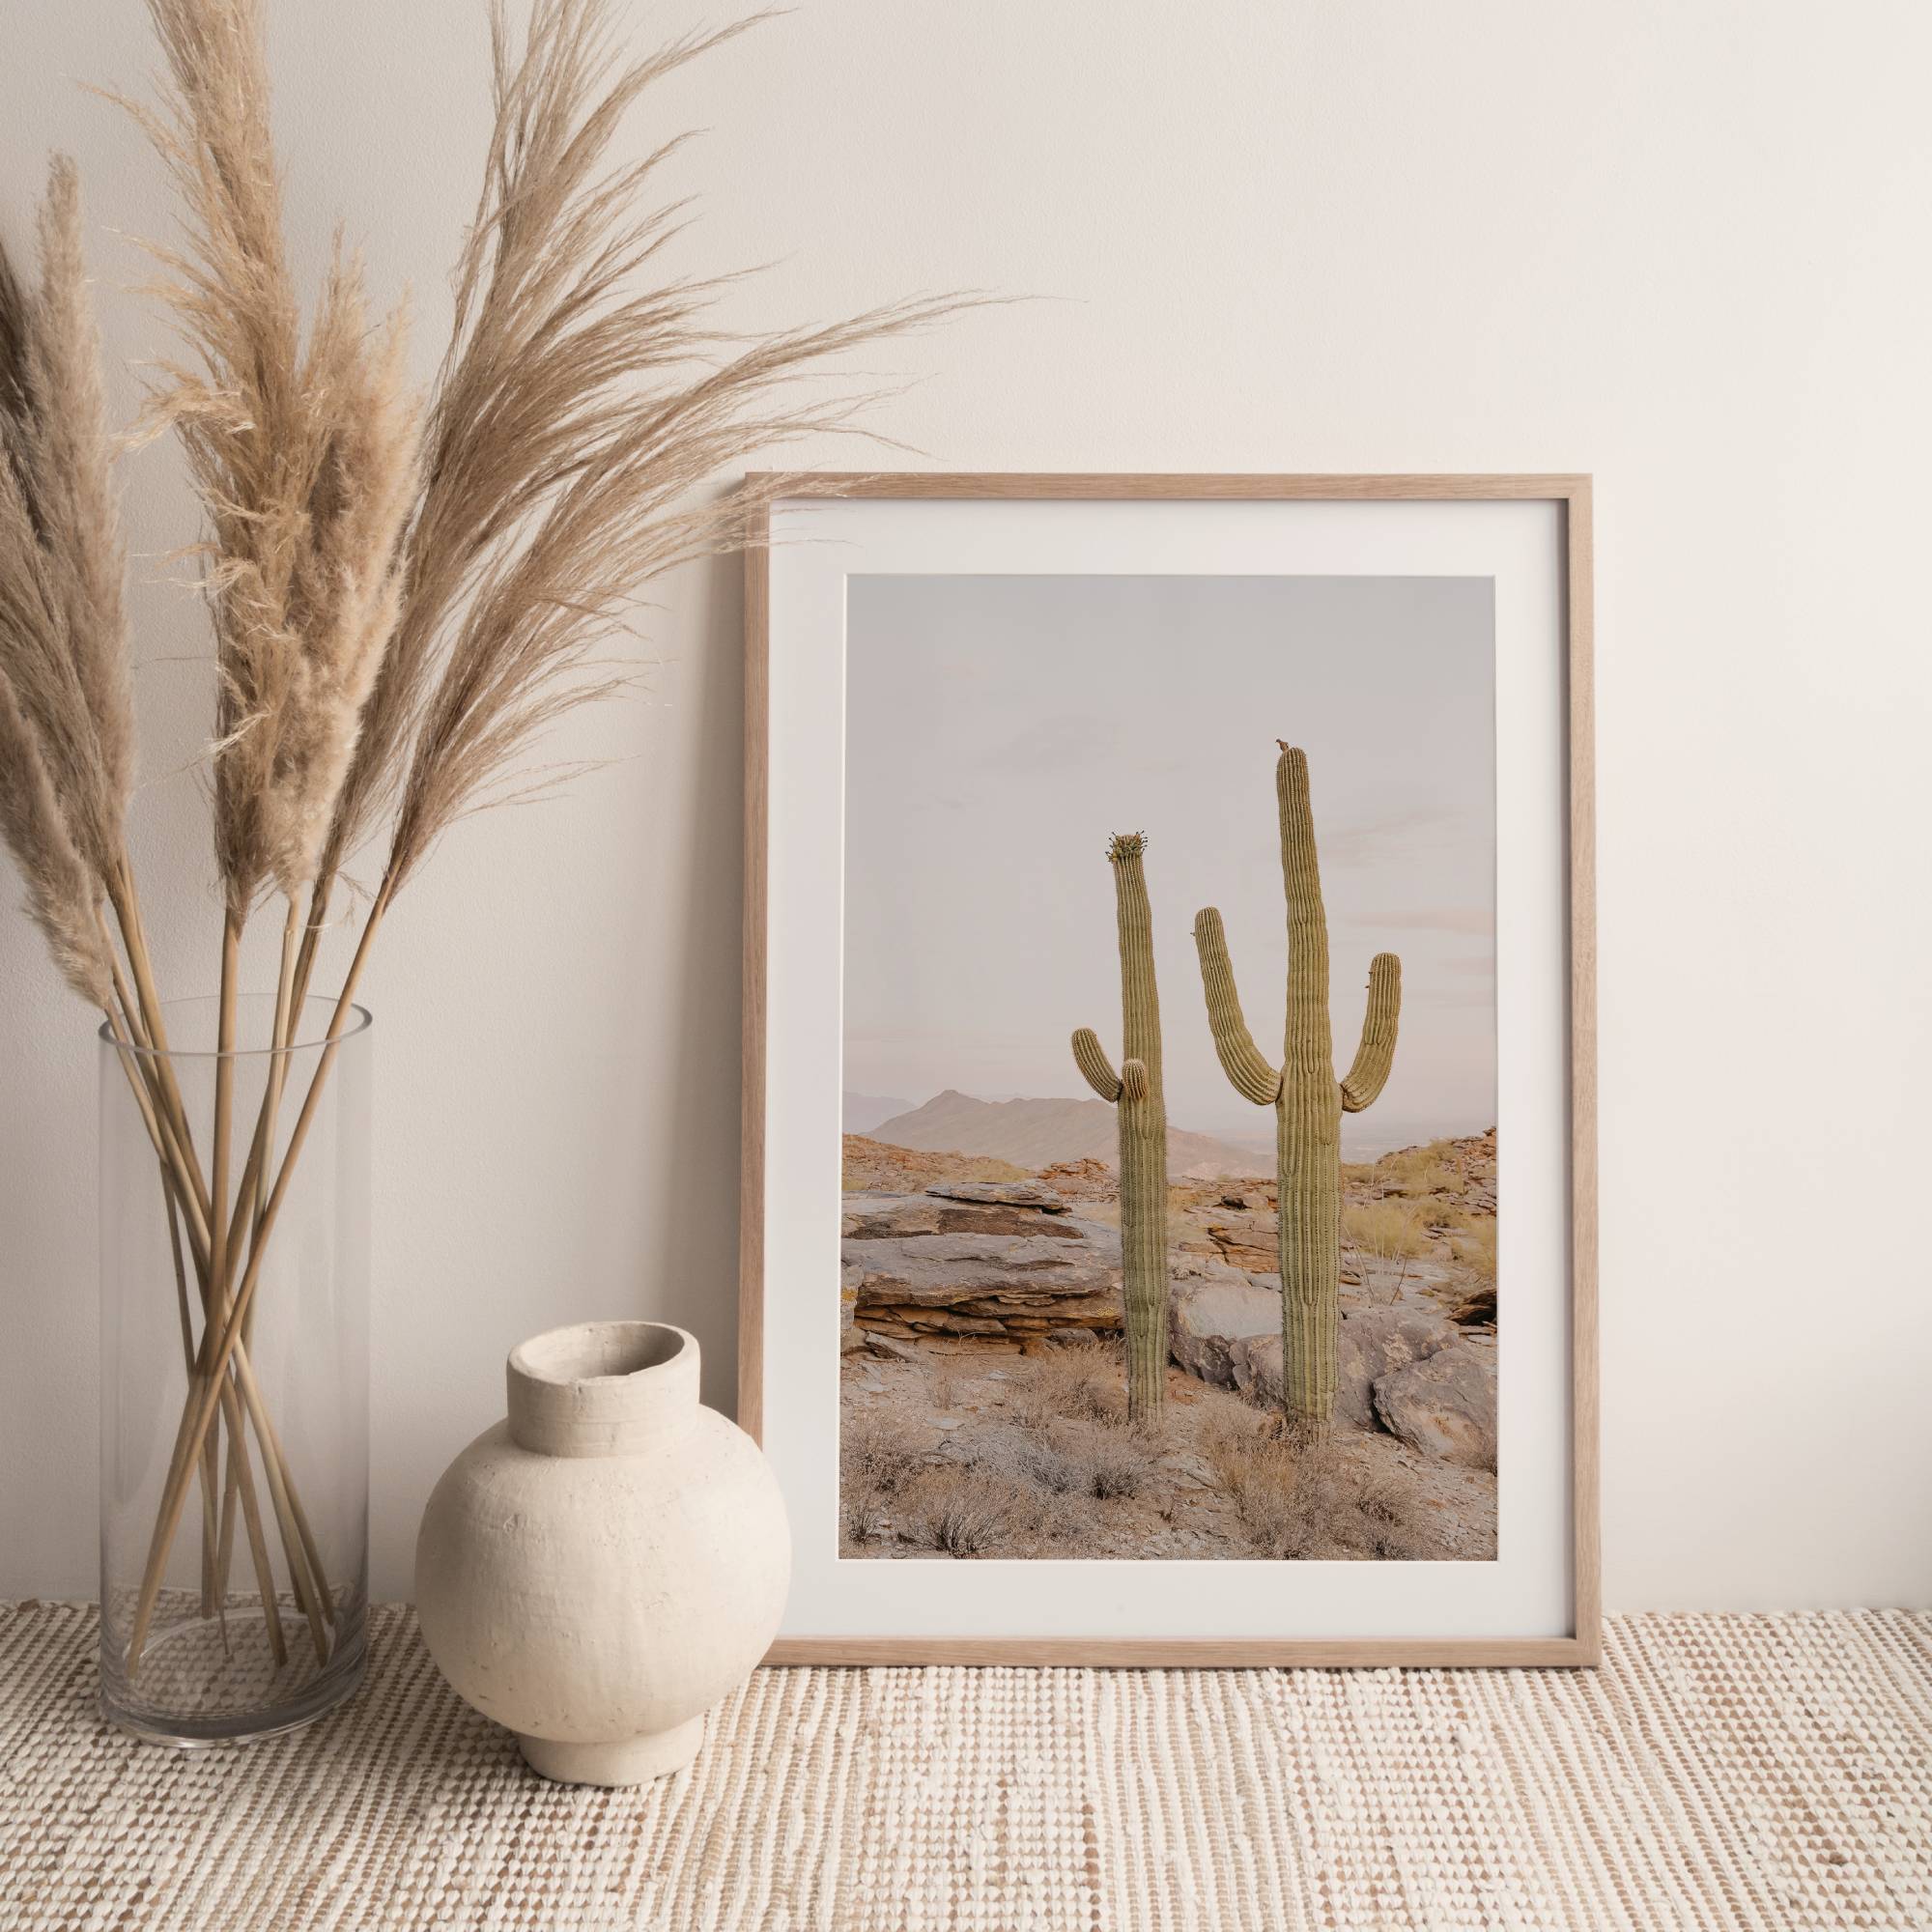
x: 1308, y: 1101
x: 1136, y: 1095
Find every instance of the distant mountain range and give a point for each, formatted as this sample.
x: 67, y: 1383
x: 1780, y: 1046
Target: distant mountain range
x: 1038, y: 1133
x: 863, y: 1112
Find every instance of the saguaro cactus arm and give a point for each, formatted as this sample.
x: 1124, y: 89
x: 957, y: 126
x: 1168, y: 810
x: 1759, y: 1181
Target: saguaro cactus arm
x: 1133, y: 1080
x: 1375, y: 1056
x: 1242, y: 1059
x: 1092, y: 1062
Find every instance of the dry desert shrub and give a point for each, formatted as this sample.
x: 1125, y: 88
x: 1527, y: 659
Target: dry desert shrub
x: 1073, y: 1385
x: 1254, y: 1465
x: 1045, y: 1465
x: 978, y: 1503
x: 1118, y: 1466
x: 1395, y: 1229
x: 1095, y: 1466
x: 880, y: 1451
x: 1313, y: 1505
x: 879, y: 1458
x: 1419, y: 1171
x: 967, y: 1509
x: 1387, y: 1498
x: 964, y: 1522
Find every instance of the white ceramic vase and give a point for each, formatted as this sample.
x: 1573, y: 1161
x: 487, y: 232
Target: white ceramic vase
x: 603, y: 1566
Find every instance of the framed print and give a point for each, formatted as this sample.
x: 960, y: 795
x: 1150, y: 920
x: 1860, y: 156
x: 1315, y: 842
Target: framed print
x: 1168, y: 1211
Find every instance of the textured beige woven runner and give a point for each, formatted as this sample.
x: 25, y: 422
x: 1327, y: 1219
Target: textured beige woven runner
x: 1719, y: 1772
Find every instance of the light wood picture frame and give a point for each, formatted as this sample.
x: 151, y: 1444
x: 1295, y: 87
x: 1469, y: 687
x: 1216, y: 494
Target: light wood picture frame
x: 809, y: 539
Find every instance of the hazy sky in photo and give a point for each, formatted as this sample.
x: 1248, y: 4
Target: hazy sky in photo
x: 999, y: 729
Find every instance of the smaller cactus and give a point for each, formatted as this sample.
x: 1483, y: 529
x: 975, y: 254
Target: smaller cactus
x: 1135, y: 1094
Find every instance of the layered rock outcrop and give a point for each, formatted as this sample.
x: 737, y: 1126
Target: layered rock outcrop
x: 1004, y: 1260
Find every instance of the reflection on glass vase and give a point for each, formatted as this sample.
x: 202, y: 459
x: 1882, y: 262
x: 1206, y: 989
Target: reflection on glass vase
x: 233, y: 1372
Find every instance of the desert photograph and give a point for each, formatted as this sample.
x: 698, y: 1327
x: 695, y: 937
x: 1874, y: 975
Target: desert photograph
x: 1170, y: 1167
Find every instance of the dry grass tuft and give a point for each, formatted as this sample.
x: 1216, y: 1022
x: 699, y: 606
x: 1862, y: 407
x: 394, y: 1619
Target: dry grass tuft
x: 1313, y: 1505
x: 1057, y: 1456
x: 1048, y: 1466
x: 1011, y: 1493
x: 1121, y: 1465
x: 960, y: 1513
x: 1397, y: 1230
x: 878, y: 1453
x: 1419, y: 1170
x: 879, y: 1460
x: 1076, y: 1385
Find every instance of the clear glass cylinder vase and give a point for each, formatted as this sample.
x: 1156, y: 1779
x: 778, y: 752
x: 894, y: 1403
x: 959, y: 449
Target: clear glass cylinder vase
x: 233, y: 1372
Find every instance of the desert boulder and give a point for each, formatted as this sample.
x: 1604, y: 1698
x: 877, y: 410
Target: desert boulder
x: 1373, y: 1343
x: 1444, y: 1405
x: 1211, y: 1310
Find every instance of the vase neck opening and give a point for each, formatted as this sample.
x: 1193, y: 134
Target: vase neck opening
x: 603, y: 1388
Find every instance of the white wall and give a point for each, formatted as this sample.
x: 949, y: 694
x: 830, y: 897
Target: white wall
x: 1684, y: 246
